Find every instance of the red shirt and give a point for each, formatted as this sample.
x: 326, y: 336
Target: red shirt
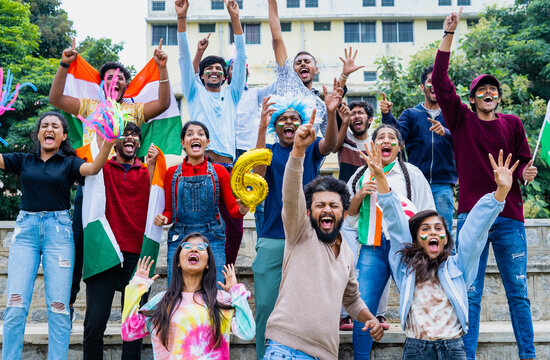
x: 127, y: 194
x: 201, y: 169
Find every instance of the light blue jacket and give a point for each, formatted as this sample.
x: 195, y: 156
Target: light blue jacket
x: 459, y: 271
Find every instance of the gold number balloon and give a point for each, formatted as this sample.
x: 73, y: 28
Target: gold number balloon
x: 249, y: 187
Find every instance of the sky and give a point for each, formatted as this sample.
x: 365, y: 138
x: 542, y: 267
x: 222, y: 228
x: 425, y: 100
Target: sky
x: 119, y: 20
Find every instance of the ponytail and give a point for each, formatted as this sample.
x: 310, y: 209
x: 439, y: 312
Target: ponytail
x: 357, y: 177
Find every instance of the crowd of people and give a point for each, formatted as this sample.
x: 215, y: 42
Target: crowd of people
x: 327, y: 248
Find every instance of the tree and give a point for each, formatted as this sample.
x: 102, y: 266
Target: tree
x: 99, y: 51
x: 18, y: 37
x: 56, y: 30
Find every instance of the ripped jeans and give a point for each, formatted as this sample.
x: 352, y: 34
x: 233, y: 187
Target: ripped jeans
x: 507, y: 237
x: 47, y: 235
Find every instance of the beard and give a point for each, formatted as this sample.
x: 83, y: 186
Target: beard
x: 358, y: 133
x: 326, y: 237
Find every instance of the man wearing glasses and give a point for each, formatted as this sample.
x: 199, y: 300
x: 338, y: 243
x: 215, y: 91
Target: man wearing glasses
x: 127, y: 184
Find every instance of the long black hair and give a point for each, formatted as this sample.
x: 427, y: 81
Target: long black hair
x: 400, y: 159
x: 171, y: 300
x: 65, y: 145
x: 415, y: 258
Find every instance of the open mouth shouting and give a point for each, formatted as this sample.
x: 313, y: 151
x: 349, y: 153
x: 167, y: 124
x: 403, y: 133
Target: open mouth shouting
x: 326, y: 222
x: 49, y: 139
x: 433, y: 246
x: 386, y: 150
x: 129, y: 145
x: 196, y: 146
x: 193, y: 258
x: 304, y: 73
x: 288, y: 131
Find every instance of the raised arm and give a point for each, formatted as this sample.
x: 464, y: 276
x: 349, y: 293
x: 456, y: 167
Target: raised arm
x: 328, y: 143
x: 267, y: 112
x: 451, y: 22
x: 239, y: 65
x: 151, y: 161
x: 64, y: 102
x: 100, y: 160
x: 294, y: 202
x: 202, y: 45
x: 473, y: 235
x: 345, y: 115
x: 157, y: 107
x: 276, y: 33
x: 188, y: 85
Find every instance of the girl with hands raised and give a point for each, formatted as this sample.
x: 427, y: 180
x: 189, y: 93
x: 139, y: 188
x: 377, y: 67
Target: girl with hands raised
x: 426, y: 272
x: 192, y: 316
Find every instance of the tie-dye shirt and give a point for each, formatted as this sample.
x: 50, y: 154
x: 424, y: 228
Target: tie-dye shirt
x: 190, y: 335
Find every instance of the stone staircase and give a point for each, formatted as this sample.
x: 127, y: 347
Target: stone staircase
x: 496, y: 340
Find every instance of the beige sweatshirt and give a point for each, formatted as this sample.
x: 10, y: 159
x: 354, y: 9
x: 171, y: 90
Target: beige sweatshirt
x: 314, y: 282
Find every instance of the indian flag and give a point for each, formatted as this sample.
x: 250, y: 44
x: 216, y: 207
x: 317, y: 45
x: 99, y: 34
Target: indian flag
x: 83, y: 82
x: 101, y: 250
x: 153, y: 233
x: 370, y: 221
x: 545, y: 138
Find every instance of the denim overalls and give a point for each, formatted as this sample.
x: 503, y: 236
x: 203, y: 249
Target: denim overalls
x: 196, y: 212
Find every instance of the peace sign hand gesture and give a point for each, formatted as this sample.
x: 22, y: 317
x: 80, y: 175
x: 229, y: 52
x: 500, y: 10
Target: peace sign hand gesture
x: 69, y: 55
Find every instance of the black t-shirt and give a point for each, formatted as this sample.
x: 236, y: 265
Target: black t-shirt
x: 46, y: 185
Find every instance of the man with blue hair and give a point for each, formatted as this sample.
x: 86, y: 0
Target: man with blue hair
x: 283, y: 115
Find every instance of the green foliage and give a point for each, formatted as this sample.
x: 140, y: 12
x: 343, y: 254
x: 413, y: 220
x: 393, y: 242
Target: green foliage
x: 18, y: 37
x: 56, y: 30
x: 99, y: 51
x: 513, y: 44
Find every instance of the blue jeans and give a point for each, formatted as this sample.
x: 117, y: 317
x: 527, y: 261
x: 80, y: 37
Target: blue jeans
x: 373, y: 271
x: 48, y: 236
x: 277, y: 351
x: 213, y: 232
x: 444, y: 202
x: 416, y: 349
x: 510, y: 249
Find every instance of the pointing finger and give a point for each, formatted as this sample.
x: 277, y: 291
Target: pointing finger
x: 208, y: 36
x: 460, y: 13
x: 312, y: 118
x: 384, y: 96
x: 160, y: 44
x: 74, y: 44
x: 432, y: 121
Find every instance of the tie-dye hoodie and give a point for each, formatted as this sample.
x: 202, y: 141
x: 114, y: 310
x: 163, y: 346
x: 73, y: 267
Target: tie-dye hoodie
x: 190, y: 335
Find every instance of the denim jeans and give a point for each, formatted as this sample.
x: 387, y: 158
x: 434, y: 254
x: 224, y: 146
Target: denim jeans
x: 416, y: 349
x: 373, y: 271
x: 444, y: 202
x: 48, y: 236
x: 277, y: 351
x: 510, y: 248
x: 214, y: 234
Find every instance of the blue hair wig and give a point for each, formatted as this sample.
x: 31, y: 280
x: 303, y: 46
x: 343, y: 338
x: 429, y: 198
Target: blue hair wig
x: 303, y: 107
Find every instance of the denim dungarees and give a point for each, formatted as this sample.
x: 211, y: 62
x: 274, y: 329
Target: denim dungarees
x: 197, y: 210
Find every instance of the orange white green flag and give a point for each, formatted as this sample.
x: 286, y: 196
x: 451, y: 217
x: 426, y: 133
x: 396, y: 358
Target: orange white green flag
x: 83, y: 82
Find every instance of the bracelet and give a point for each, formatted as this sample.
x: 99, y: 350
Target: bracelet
x: 65, y: 65
x: 343, y: 76
x: 447, y: 33
x: 163, y: 81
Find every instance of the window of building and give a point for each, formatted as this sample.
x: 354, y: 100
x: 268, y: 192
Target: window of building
x: 217, y: 5
x: 207, y: 28
x: 286, y: 26
x: 397, y: 31
x: 312, y: 3
x: 167, y: 32
x: 220, y: 5
x: 367, y: 98
x: 464, y: 3
x: 292, y: 3
x: 251, y: 33
x: 315, y: 77
x: 388, y: 3
x: 321, y: 25
x: 369, y: 3
x: 359, y: 32
x: 369, y: 75
x: 472, y: 22
x: 434, y: 24
x: 159, y: 6
x: 445, y: 3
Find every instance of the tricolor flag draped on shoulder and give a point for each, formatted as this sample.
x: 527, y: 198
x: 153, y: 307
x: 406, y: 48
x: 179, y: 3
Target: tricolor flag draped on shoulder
x: 164, y: 130
x: 101, y: 250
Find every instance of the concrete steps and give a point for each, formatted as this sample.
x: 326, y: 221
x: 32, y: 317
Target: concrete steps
x: 496, y: 337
